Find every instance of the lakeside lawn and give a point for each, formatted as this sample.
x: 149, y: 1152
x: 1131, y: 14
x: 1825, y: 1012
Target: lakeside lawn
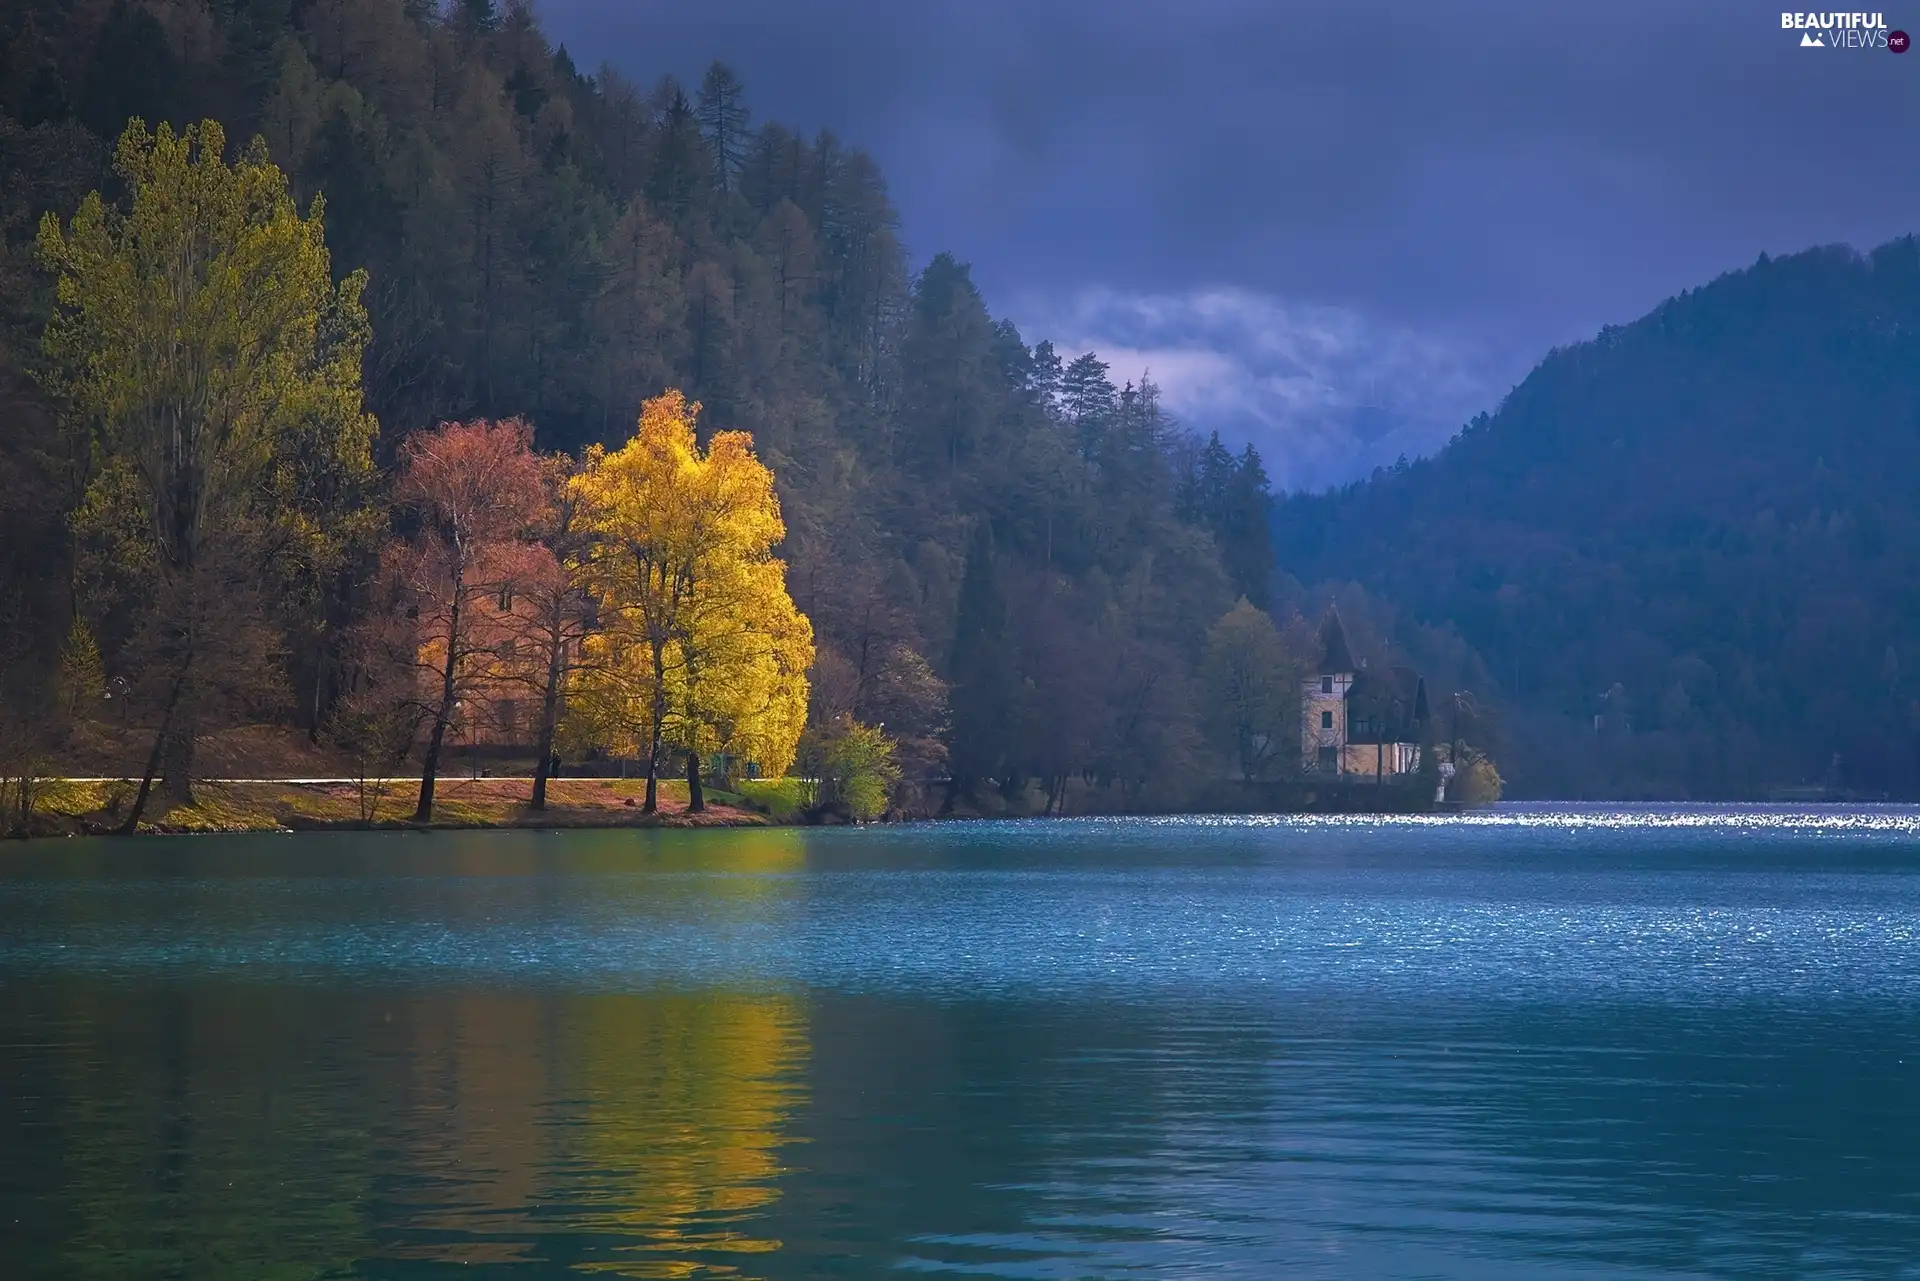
x: 71, y: 807
x: 100, y: 773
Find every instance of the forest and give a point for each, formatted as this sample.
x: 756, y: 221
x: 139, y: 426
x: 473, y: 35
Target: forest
x: 1685, y: 555
x: 1013, y: 571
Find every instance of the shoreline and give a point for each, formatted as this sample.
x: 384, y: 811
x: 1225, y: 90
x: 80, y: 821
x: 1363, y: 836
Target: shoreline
x: 96, y: 806
x: 222, y: 807
x: 310, y: 800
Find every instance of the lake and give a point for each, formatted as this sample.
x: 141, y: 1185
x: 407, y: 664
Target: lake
x: 1575, y: 1042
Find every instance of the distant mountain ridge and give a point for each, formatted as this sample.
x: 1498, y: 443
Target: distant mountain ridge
x: 1687, y: 552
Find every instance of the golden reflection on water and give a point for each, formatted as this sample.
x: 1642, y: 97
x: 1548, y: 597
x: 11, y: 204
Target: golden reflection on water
x: 631, y: 1134
x: 647, y: 1125
x: 684, y: 1102
x: 745, y: 852
x: 242, y: 1130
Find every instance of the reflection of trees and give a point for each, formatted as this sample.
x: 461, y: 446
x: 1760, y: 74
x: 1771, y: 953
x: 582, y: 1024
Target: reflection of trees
x: 685, y: 1097
x: 466, y: 1126
x: 736, y: 851
x: 236, y: 1132
x: 653, y: 1119
x: 181, y: 1153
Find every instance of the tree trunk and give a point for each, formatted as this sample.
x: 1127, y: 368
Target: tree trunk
x: 652, y: 803
x: 549, y: 722
x: 429, y: 770
x: 177, y: 727
x: 177, y: 758
x: 430, y: 760
x: 313, y: 729
x: 696, y: 799
x: 153, y: 760
x: 132, y: 824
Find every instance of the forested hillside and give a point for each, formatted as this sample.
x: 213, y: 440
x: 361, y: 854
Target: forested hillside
x: 1687, y: 551
x: 1009, y: 562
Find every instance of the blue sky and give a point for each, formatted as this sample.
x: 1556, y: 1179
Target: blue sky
x: 1335, y: 229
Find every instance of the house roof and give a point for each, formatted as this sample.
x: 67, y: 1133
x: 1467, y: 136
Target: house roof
x: 1395, y: 684
x: 1392, y: 700
x: 1335, y: 656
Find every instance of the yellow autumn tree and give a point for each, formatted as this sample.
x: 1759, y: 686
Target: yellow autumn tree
x: 702, y: 648
x: 743, y: 687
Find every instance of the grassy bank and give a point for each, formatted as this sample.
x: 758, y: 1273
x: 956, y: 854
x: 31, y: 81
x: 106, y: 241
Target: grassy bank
x: 66, y: 807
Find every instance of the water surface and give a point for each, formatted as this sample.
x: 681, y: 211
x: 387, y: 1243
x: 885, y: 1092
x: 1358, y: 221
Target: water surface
x: 1539, y: 1043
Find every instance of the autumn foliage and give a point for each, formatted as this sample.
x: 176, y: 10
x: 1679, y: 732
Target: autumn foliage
x: 635, y: 593
x: 475, y: 490
x: 1007, y: 560
x: 702, y: 649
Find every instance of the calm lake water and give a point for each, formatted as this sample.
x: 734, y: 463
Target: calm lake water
x: 1576, y: 1042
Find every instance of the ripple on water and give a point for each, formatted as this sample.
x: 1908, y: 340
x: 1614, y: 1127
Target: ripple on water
x: 1661, y: 903
x: 1578, y: 1042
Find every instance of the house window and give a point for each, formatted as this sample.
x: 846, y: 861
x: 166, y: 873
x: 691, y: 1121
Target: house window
x: 1326, y: 720
x: 1329, y: 757
x: 506, y: 599
x: 1326, y: 684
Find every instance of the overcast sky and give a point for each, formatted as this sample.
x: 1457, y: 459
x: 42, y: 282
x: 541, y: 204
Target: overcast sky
x: 1337, y: 229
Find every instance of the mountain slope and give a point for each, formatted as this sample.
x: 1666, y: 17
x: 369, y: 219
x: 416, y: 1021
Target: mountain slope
x: 1709, y: 513
x: 557, y: 246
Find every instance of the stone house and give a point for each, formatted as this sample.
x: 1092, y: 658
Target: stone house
x: 1357, y: 721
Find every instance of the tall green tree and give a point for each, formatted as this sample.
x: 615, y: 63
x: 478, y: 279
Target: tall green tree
x: 982, y: 671
x: 1252, y: 679
x: 199, y: 338
x: 1245, y: 532
x: 949, y: 370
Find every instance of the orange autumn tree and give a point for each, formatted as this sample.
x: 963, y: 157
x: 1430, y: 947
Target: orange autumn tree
x: 702, y: 649
x: 554, y: 615
x: 476, y: 489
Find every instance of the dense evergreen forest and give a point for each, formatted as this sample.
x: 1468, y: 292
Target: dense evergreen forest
x: 1688, y: 551
x: 1010, y: 561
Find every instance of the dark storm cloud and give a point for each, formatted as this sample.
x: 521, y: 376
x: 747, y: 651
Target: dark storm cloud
x: 1471, y: 181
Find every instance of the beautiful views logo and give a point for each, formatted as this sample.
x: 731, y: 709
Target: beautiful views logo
x: 1844, y: 31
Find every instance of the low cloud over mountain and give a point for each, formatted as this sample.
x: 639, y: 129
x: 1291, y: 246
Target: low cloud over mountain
x: 1325, y: 394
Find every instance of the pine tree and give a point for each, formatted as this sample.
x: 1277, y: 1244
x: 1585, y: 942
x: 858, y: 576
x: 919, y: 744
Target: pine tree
x: 675, y: 181
x: 479, y: 17
x: 83, y: 682
x: 135, y: 74
x: 1212, y: 473
x: 1045, y: 378
x: 1087, y: 401
x: 981, y: 670
x: 1247, y: 536
x: 723, y: 119
x: 949, y: 369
